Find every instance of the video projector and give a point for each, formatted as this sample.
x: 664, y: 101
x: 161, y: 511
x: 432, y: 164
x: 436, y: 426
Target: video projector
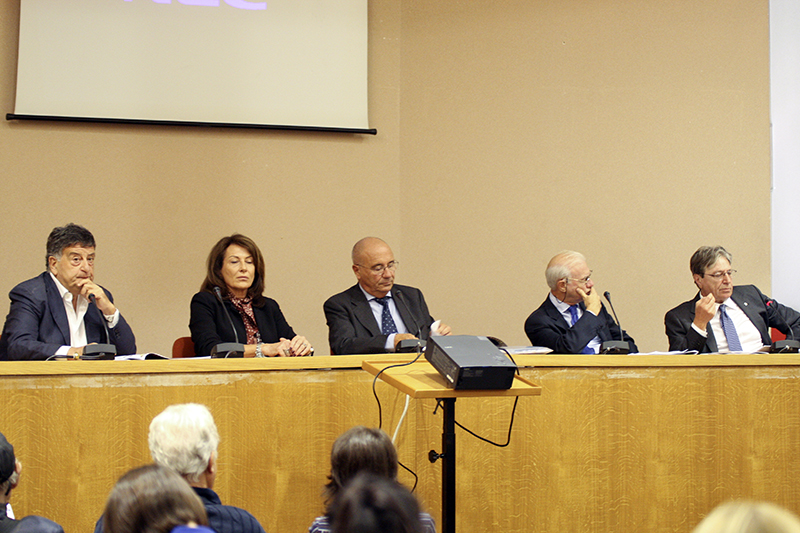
x: 468, y: 362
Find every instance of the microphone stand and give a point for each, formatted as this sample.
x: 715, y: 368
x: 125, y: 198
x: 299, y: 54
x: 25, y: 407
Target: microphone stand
x: 409, y: 345
x: 225, y: 350
x: 620, y: 347
x: 96, y: 352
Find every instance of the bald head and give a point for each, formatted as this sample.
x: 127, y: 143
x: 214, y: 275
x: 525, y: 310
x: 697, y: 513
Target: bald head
x: 367, y: 245
x: 374, y: 266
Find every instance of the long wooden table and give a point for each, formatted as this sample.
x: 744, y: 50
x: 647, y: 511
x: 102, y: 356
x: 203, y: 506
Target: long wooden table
x: 614, y: 443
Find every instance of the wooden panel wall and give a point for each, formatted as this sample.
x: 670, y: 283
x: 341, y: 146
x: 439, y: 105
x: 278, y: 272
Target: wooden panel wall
x: 605, y: 448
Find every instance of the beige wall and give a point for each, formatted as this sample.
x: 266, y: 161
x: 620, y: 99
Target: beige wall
x: 507, y: 131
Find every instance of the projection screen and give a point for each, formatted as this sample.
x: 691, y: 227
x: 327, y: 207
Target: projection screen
x: 280, y: 62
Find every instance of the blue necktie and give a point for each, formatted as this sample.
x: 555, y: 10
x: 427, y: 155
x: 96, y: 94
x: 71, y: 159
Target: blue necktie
x: 734, y: 345
x: 573, y: 312
x: 387, y: 322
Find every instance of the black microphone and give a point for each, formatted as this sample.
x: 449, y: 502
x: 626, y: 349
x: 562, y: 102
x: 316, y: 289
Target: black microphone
x: 620, y: 347
x: 94, y: 352
x: 409, y: 345
x: 227, y: 349
x: 788, y: 345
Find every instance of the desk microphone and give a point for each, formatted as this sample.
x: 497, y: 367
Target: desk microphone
x: 788, y: 345
x: 619, y: 347
x: 227, y: 349
x: 409, y: 345
x: 94, y: 352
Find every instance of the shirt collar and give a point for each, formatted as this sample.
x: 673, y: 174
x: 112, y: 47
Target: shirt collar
x: 561, y: 306
x: 61, y: 289
x: 369, y: 297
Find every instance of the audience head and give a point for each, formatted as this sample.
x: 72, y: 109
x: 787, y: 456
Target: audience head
x: 711, y: 271
x: 184, y: 438
x: 566, y: 273
x: 749, y: 517
x: 10, y: 469
x: 374, y: 266
x: 224, y: 261
x: 152, y: 499
x: 360, y: 449
x: 375, y: 504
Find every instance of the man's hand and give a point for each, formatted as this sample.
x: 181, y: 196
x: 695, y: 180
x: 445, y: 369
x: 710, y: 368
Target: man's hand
x: 401, y: 337
x: 101, y: 299
x: 443, y: 329
x: 591, y: 300
x: 704, y: 311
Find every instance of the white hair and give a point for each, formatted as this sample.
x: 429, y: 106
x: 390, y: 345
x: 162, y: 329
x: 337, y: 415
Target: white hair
x: 184, y: 437
x: 560, y: 266
x: 749, y: 517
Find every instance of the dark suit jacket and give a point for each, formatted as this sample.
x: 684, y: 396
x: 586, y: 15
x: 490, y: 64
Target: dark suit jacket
x: 352, y: 328
x: 37, y: 326
x: 29, y: 524
x: 221, y: 518
x: 210, y: 326
x: 547, y: 327
x: 682, y: 336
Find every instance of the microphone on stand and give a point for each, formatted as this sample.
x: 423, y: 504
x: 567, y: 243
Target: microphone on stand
x: 788, y: 345
x: 620, y: 347
x: 227, y: 349
x: 95, y: 352
x: 409, y: 345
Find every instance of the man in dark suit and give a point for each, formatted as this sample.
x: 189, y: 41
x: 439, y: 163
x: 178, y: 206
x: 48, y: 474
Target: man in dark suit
x: 572, y: 318
x: 374, y: 315
x: 722, y: 317
x: 58, y: 312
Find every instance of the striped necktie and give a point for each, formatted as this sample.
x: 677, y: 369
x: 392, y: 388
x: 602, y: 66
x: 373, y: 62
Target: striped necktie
x: 734, y: 345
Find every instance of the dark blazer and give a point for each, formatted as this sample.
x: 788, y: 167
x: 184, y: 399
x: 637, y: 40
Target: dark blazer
x: 221, y: 518
x: 352, y: 328
x: 37, y: 326
x: 29, y: 524
x: 682, y: 336
x: 547, y: 327
x: 210, y: 326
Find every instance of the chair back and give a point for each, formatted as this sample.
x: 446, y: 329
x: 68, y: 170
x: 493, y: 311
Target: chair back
x: 182, y: 347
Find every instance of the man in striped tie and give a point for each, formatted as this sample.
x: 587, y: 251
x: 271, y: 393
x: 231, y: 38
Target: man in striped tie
x: 724, y: 318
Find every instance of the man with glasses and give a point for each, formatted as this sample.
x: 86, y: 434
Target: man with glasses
x: 723, y: 318
x: 572, y: 318
x: 59, y: 311
x: 374, y: 315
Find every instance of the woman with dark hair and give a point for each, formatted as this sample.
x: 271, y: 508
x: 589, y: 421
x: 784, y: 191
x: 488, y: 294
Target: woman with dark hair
x: 231, y: 299
x: 360, y: 449
x: 152, y: 499
x: 374, y: 504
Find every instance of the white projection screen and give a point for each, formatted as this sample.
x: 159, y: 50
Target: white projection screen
x: 293, y: 63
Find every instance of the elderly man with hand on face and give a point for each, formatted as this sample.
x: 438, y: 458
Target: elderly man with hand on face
x: 572, y: 318
x: 62, y: 310
x: 374, y: 315
x: 723, y: 317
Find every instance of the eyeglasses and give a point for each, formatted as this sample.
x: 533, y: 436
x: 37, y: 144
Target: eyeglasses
x: 719, y: 275
x: 585, y: 280
x: 378, y: 269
